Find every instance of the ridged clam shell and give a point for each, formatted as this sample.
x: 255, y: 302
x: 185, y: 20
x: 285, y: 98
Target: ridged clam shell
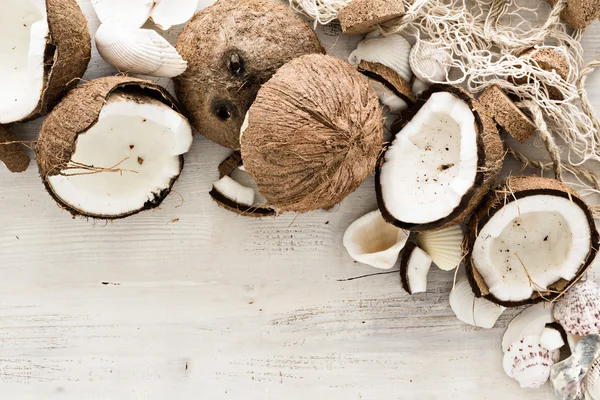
x: 578, y: 311
x: 445, y: 247
x: 139, y: 51
x: 568, y: 377
x: 371, y: 240
x: 471, y: 310
x: 528, y: 362
x: 592, y: 381
x: 126, y: 13
x: 392, y: 51
x: 430, y: 62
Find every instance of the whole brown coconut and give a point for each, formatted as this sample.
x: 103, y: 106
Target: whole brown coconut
x: 314, y: 134
x: 232, y: 48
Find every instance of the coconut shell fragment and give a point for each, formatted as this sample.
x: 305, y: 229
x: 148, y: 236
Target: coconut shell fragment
x: 507, y: 115
x: 361, y: 16
x: 543, y: 228
x: 314, y: 134
x: 232, y: 48
x: 549, y: 59
x: 12, y: 153
x: 579, y: 14
x: 389, y: 78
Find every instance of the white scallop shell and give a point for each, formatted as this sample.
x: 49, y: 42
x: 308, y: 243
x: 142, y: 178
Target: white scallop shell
x: 472, y: 310
x: 125, y: 13
x: 430, y: 62
x: 530, y: 322
x: 371, y: 240
x: 592, y: 381
x: 445, y: 246
x: 567, y: 377
x: 578, y: 311
x: 139, y: 51
x: 391, y: 51
x: 528, y: 362
x: 167, y: 13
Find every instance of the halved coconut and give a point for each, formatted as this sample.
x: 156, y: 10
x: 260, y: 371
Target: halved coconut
x: 113, y: 147
x: 414, y: 267
x: 528, y: 241
x: 12, y: 153
x: 234, y: 196
x: 45, y: 50
x: 441, y: 163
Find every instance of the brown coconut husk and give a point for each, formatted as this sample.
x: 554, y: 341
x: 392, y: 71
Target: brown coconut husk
x: 232, y: 48
x: 314, y: 134
x: 513, y: 189
x: 490, y: 158
x: 389, y: 78
x: 507, y: 115
x: 12, y: 153
x: 362, y: 16
x: 77, y: 113
x: 548, y: 59
x: 579, y: 14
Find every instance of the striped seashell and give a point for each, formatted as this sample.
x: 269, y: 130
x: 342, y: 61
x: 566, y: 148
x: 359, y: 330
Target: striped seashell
x: 391, y: 51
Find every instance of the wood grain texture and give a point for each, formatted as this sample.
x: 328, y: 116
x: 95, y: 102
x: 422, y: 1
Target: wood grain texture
x: 192, y: 302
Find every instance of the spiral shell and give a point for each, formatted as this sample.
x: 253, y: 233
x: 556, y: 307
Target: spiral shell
x: 392, y: 51
x: 528, y: 362
x: 578, y: 311
x: 139, y: 51
x: 430, y: 62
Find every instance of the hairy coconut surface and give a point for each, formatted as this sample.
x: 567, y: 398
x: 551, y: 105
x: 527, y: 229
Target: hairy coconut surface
x: 80, y: 111
x: 12, y: 154
x: 540, y: 235
x: 232, y: 48
x: 45, y: 48
x: 490, y: 154
x: 314, y: 134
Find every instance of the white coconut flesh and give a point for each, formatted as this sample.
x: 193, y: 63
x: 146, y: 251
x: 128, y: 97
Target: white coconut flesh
x: 388, y: 98
x: 135, y: 151
x: 23, y: 38
x: 432, y: 162
x: 417, y: 271
x: 547, y: 237
x: 235, y: 191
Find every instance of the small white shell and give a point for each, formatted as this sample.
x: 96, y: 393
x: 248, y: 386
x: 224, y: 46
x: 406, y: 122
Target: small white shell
x: 472, y: 310
x: 592, y: 381
x: 567, y: 377
x: 371, y: 240
x: 529, y: 363
x: 419, y: 87
x: 578, y: 311
x: 139, y: 51
x: 551, y: 339
x: 167, y: 13
x: 394, y: 104
x: 430, y: 62
x: 391, y: 51
x: 125, y: 13
x: 444, y: 246
x: 530, y: 322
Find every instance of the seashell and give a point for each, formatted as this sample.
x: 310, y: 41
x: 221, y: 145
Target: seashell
x: 528, y: 362
x: 371, y: 240
x: 592, y: 381
x: 139, y: 51
x: 334, y: 42
x: 568, y: 377
x: 578, y: 311
x: 388, y: 98
x: 430, y: 62
x: 391, y: 51
x: 126, y: 13
x: 445, y: 246
x: 167, y: 13
x: 530, y: 322
x: 551, y: 337
x: 472, y: 310
x: 419, y: 87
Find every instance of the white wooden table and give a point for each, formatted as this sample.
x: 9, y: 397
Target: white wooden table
x: 191, y: 302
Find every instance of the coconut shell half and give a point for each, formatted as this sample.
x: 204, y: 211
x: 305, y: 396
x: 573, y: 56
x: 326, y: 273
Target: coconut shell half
x: 232, y: 48
x: 490, y: 157
x: 76, y: 114
x: 389, y: 78
x: 514, y: 192
x: 12, y: 153
x: 314, y: 134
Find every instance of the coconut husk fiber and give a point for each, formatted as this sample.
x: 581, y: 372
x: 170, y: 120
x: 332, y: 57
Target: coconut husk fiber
x: 314, y: 134
x: 549, y: 60
x: 361, y: 16
x: 12, y: 153
x: 232, y: 48
x: 513, y: 189
x: 78, y: 112
x: 579, y: 14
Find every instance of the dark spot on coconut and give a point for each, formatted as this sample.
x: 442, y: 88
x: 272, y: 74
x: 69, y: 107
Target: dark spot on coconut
x: 445, y: 167
x: 131, y: 147
x: 223, y: 109
x: 144, y: 120
x: 546, y: 239
x: 140, y: 160
x: 236, y: 64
